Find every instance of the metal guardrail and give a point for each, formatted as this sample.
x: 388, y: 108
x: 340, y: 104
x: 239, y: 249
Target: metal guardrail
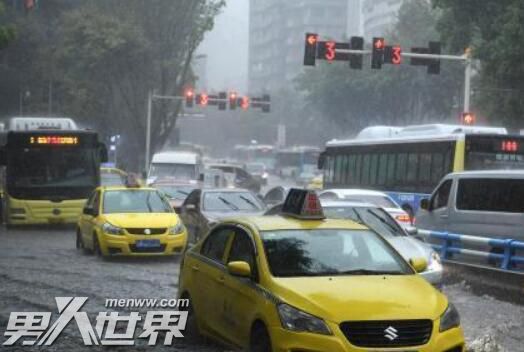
x: 500, y: 250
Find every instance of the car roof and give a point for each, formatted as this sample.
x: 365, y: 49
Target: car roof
x: 277, y: 222
x: 124, y: 188
x: 342, y: 203
x: 490, y: 173
x: 354, y: 191
x: 226, y: 190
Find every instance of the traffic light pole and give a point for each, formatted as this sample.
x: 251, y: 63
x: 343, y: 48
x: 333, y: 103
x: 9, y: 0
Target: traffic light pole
x: 150, y: 98
x: 466, y: 58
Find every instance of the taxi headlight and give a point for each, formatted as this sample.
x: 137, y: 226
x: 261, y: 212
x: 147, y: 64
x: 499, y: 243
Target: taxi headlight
x: 434, y: 262
x: 299, y: 321
x: 111, y: 229
x: 177, y: 229
x: 450, y: 318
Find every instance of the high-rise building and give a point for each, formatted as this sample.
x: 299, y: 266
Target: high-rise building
x: 276, y: 36
x: 378, y: 16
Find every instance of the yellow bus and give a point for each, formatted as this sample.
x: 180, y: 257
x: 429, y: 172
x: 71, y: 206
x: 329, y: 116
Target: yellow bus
x: 48, y: 170
x: 409, y: 162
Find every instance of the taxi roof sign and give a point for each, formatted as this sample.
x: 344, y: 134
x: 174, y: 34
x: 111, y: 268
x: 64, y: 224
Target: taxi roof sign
x: 303, y: 204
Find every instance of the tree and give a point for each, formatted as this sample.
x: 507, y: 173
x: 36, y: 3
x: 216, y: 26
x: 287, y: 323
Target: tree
x: 354, y: 99
x: 493, y: 30
x: 7, y: 33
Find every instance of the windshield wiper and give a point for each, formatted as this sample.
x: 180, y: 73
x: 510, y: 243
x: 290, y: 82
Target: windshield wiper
x: 249, y: 201
x: 228, y: 203
x: 391, y: 227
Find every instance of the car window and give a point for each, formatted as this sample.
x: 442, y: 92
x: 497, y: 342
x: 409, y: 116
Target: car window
x: 215, y: 244
x: 497, y: 195
x: 441, y: 196
x: 328, y: 252
x: 242, y: 250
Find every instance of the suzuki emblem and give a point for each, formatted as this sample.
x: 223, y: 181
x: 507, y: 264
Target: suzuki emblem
x: 391, y: 333
x: 147, y: 231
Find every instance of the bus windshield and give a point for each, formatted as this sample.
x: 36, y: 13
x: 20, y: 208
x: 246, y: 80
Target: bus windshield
x: 39, y: 173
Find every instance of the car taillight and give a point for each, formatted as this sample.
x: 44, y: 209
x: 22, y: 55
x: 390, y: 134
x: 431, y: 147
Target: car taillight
x: 403, y: 218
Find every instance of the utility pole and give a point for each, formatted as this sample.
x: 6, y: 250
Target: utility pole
x: 148, y: 129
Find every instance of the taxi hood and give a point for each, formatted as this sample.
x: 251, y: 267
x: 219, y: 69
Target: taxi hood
x: 143, y: 220
x: 371, y: 297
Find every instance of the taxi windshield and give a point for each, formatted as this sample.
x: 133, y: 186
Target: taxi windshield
x: 134, y: 201
x: 329, y: 252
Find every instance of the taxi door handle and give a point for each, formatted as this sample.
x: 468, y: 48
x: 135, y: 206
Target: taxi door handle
x: 195, y: 268
x: 221, y: 279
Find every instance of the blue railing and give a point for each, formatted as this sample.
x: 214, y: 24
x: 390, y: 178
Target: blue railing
x: 503, y: 251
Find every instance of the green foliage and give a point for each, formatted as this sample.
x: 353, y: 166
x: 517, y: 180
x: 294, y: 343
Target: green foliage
x: 7, y: 33
x: 493, y: 30
x: 353, y: 99
x: 98, y: 60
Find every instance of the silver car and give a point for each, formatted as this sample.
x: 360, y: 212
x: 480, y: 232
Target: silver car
x: 383, y: 223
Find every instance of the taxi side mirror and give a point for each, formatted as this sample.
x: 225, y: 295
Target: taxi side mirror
x: 424, y: 204
x: 419, y: 264
x: 241, y: 269
x: 90, y: 211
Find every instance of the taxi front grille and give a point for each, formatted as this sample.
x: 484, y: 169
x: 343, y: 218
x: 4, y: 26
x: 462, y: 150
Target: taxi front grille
x: 146, y: 231
x: 159, y: 249
x: 397, y: 333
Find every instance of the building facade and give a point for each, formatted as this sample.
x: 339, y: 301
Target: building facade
x: 378, y: 16
x: 276, y: 36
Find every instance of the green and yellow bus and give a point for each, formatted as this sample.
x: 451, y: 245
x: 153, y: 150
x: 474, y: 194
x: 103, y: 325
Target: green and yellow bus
x: 48, y: 169
x: 409, y: 162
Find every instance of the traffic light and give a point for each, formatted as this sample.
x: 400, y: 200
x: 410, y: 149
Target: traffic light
x: 222, y: 103
x: 434, y: 64
x: 232, y: 101
x: 355, y: 60
x: 190, y: 95
x: 267, y: 100
x: 202, y: 99
x: 310, y: 51
x: 377, y: 54
x: 468, y: 118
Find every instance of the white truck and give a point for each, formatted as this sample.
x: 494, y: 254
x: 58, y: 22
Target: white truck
x: 176, y: 166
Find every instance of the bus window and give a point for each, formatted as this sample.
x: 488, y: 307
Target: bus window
x: 402, y: 162
x: 345, y: 171
x: 437, y: 167
x: 358, y: 169
x: 382, y: 169
x: 373, y: 170
x: 365, y: 169
x: 392, y: 160
x: 412, y: 167
x: 424, y: 176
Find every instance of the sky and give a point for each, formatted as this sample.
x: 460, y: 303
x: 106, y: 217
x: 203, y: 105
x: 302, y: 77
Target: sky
x: 226, y: 47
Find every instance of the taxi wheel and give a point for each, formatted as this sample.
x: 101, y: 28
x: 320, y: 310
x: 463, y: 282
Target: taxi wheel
x: 260, y: 340
x: 191, y: 331
x: 96, y: 246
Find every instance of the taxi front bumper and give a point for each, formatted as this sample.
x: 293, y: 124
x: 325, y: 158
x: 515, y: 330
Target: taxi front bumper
x: 287, y: 341
x: 127, y: 245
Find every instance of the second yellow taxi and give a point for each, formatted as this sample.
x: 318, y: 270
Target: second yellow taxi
x: 300, y: 282
x: 130, y: 220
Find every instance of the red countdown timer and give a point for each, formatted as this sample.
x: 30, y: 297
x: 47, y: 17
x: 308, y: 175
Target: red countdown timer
x: 331, y: 50
x: 54, y: 140
x: 509, y: 146
x: 396, y: 57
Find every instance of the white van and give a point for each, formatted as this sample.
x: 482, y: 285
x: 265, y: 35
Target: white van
x: 175, y: 166
x: 477, y: 203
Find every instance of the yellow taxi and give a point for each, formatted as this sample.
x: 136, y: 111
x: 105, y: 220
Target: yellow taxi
x: 130, y: 220
x: 299, y: 282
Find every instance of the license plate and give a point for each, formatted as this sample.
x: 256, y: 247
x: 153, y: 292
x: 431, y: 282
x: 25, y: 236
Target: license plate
x: 147, y: 244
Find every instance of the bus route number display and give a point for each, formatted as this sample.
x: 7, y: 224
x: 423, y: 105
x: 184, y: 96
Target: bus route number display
x: 53, y: 140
